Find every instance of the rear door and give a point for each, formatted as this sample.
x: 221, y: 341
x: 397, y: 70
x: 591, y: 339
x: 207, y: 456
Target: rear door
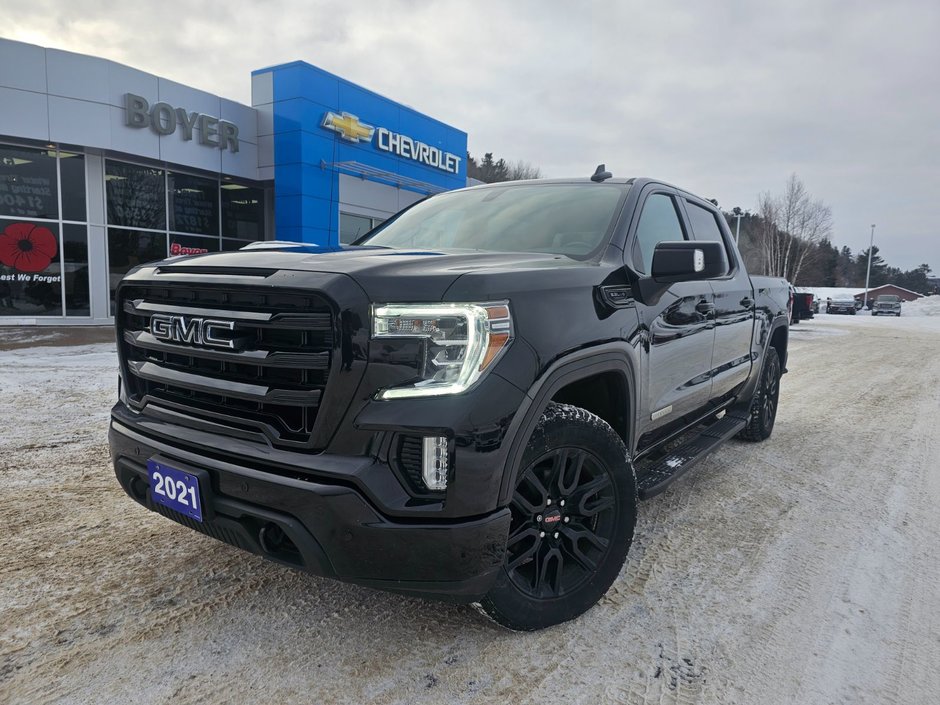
x: 679, y: 329
x: 734, y: 303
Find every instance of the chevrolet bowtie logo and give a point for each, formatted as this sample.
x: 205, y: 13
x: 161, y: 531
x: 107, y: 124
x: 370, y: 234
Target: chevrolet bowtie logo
x: 348, y: 127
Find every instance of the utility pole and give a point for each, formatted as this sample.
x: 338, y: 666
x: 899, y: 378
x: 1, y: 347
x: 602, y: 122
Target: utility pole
x: 737, y: 230
x: 871, y: 242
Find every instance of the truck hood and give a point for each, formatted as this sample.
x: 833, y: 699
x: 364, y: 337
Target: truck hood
x: 385, y: 274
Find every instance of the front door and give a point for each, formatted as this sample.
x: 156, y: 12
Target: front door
x: 679, y: 328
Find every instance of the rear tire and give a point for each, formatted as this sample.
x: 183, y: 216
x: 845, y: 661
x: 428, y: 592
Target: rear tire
x: 763, y: 412
x: 573, y: 516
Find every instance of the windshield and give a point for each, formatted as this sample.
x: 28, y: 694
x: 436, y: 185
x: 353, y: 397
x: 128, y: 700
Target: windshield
x: 564, y: 219
x: 888, y: 299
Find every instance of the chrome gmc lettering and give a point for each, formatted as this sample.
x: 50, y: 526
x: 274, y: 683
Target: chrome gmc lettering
x: 192, y: 330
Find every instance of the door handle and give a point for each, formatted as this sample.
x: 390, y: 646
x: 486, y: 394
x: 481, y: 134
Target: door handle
x: 705, y: 307
x: 747, y: 302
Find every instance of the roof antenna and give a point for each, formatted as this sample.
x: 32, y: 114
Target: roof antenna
x: 601, y: 173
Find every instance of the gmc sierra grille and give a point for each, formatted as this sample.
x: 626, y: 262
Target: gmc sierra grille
x: 262, y: 370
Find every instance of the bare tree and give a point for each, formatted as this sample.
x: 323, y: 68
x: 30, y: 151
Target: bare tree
x: 791, y: 227
x: 520, y: 170
x: 491, y: 170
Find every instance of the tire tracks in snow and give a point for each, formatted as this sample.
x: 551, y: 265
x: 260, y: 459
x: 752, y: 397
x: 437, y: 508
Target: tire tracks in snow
x: 742, y: 581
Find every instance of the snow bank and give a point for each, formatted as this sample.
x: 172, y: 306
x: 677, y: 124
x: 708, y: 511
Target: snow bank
x: 927, y: 306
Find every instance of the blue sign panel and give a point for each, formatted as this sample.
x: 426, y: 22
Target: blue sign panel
x: 324, y: 126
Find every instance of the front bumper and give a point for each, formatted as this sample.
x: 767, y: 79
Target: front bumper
x: 330, y: 530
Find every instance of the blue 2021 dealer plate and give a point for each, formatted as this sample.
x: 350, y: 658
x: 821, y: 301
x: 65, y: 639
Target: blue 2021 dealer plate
x: 175, y: 489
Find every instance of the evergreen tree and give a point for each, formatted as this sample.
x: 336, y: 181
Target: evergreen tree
x: 847, y: 274
x: 473, y: 169
x: 879, y: 269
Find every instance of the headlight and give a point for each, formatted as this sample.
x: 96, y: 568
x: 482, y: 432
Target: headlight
x: 461, y: 341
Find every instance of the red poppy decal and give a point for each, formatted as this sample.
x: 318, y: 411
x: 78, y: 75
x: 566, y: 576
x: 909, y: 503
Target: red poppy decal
x: 27, y: 247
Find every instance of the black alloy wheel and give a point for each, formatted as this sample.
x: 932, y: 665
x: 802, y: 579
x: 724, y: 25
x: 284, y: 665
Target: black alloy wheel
x: 562, y: 522
x: 763, y: 412
x: 573, y: 515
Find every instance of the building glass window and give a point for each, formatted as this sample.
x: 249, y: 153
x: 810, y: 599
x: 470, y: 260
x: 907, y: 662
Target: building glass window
x: 154, y: 214
x: 136, y: 196
x: 72, y: 172
x: 242, y: 212
x: 151, y: 214
x: 28, y: 183
x: 75, y: 266
x: 129, y: 248
x: 194, y: 204
x: 192, y: 245
x: 231, y: 245
x: 30, y: 268
x: 352, y: 227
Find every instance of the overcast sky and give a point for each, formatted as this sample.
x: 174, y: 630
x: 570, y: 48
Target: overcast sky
x: 726, y: 99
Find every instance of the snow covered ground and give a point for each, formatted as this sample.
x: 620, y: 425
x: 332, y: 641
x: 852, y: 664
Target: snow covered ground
x: 801, y: 570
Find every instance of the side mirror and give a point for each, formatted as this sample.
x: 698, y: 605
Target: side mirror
x: 680, y: 261
x: 685, y: 260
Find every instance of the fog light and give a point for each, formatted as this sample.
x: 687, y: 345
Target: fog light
x: 434, y: 462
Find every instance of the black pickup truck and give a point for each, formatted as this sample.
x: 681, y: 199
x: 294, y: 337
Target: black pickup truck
x: 467, y: 403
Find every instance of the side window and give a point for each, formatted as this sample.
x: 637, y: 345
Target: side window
x: 703, y: 223
x: 705, y: 227
x: 659, y: 222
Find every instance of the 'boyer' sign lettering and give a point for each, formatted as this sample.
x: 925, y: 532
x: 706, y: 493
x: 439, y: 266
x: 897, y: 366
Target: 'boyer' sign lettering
x: 164, y: 119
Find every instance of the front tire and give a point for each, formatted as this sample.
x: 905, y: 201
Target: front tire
x: 573, y: 516
x: 763, y: 412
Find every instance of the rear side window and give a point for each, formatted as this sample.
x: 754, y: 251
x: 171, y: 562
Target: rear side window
x: 705, y: 227
x: 703, y: 223
x: 659, y: 222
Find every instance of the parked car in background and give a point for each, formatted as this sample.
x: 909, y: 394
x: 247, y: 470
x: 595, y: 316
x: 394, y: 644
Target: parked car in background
x: 887, y: 304
x: 841, y: 306
x: 802, y: 306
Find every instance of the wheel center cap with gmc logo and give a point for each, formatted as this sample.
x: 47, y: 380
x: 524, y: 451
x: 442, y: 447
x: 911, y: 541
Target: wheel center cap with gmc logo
x: 551, y: 517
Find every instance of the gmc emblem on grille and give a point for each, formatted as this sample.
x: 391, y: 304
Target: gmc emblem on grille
x: 192, y: 330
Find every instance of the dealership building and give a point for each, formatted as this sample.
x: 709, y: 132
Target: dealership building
x: 104, y: 167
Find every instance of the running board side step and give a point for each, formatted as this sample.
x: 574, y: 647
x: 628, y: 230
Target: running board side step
x: 656, y: 476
